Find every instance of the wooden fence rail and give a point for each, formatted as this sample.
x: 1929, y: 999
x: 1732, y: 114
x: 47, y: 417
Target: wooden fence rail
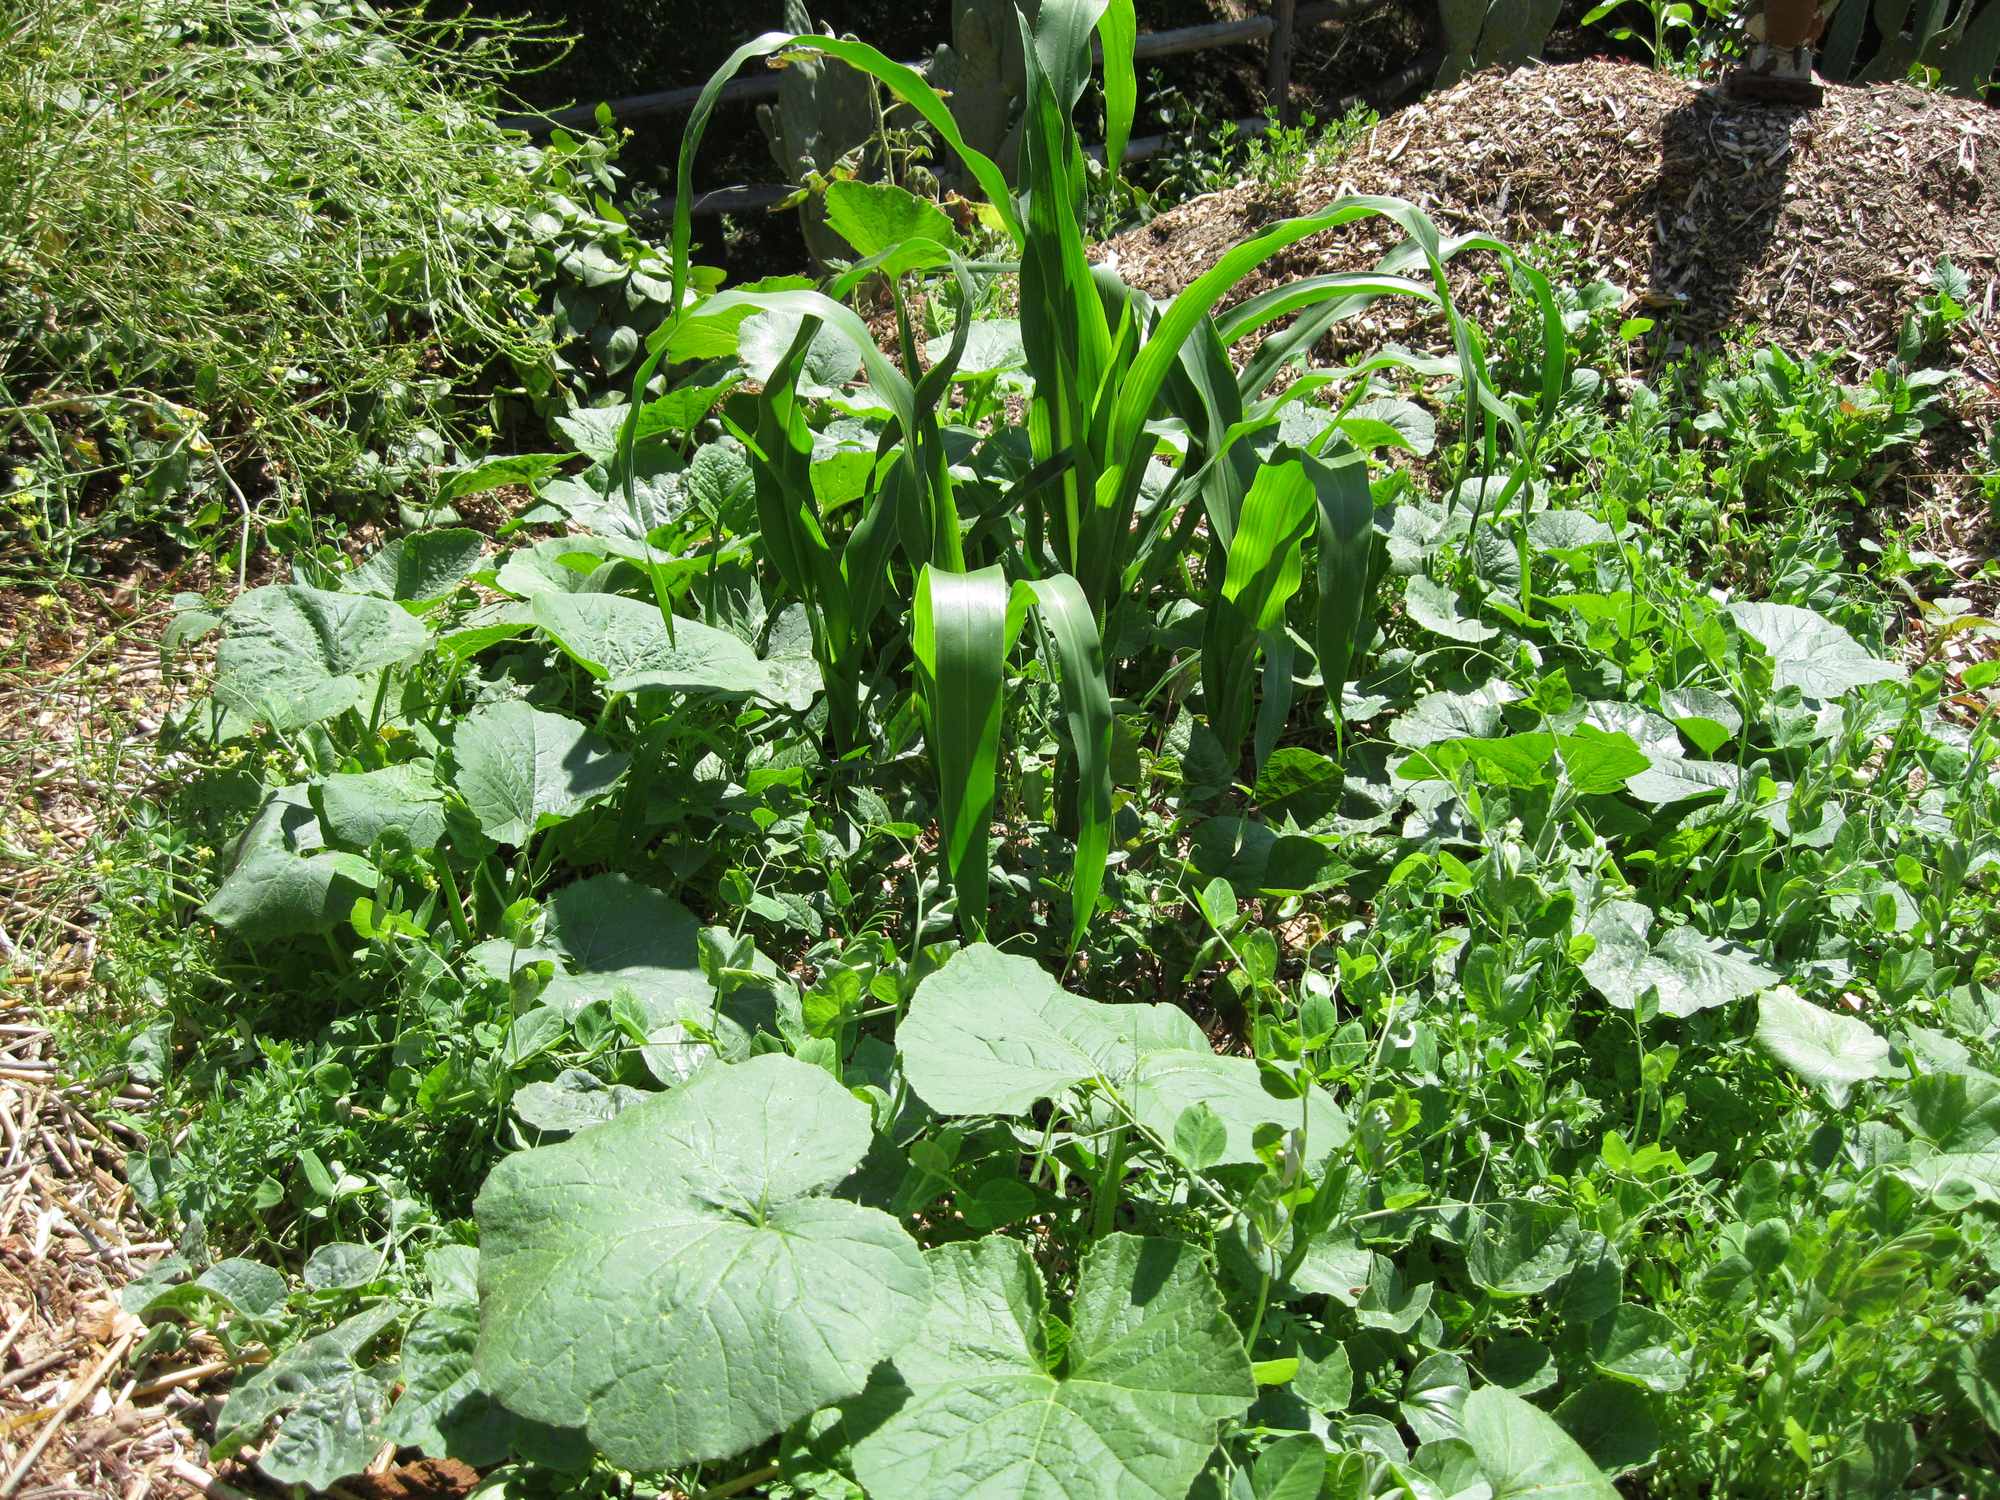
x: 1280, y: 28
x: 755, y: 195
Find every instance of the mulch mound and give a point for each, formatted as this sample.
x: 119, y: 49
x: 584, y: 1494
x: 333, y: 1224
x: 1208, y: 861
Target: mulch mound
x: 1818, y: 227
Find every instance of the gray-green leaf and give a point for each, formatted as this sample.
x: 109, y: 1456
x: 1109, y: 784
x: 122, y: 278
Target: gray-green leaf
x: 356, y: 808
x: 1810, y: 652
x: 625, y: 643
x: 674, y: 1282
x: 1643, y: 1346
x: 520, y: 768
x: 1525, y: 1454
x: 1153, y: 1364
x: 292, y: 656
x: 619, y: 934
x: 1830, y: 1051
x: 1441, y: 612
x: 420, y: 568
x: 1692, y: 972
x: 282, y: 882
x: 991, y: 1033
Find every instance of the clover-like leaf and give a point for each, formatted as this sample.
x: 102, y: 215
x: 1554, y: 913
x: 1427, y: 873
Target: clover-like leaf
x: 674, y: 1281
x: 991, y: 1033
x: 1810, y: 652
x: 1692, y: 972
x: 521, y: 768
x: 292, y: 656
x: 972, y: 1404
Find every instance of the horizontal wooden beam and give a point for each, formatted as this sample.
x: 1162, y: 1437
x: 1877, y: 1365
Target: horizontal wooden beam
x: 1149, y: 45
x: 754, y: 195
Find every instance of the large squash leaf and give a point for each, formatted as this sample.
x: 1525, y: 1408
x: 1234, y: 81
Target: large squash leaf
x: 1524, y: 1453
x: 292, y: 656
x: 420, y: 569
x: 990, y: 1033
x: 357, y: 807
x: 624, y: 642
x: 1692, y: 972
x: 1810, y: 652
x: 674, y: 1282
x: 1830, y: 1051
x: 972, y: 1404
x: 521, y: 769
x: 282, y: 881
x: 619, y: 934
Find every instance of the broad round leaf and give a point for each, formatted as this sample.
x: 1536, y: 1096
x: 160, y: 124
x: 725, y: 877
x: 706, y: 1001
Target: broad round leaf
x: 520, y: 769
x: 291, y: 656
x: 626, y: 641
x: 973, y: 1408
x: 420, y: 568
x: 1524, y: 1453
x: 990, y: 1033
x: 619, y: 934
x: 1830, y: 1051
x: 1691, y: 972
x: 672, y: 1282
x: 283, y: 881
x: 1810, y: 652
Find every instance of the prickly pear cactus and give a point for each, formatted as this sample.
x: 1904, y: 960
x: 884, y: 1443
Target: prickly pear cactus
x: 983, y: 72
x: 1962, y: 42
x: 1485, y: 33
x: 825, y: 111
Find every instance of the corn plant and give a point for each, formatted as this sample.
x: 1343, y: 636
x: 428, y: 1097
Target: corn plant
x: 1117, y: 382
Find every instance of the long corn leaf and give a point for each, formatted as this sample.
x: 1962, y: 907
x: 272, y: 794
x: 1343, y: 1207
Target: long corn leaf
x: 965, y: 626
x: 959, y: 638
x: 1086, y: 698
x: 1346, y: 526
x: 1263, y: 567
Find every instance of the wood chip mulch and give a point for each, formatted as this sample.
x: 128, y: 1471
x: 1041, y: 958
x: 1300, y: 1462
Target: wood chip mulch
x: 1818, y: 227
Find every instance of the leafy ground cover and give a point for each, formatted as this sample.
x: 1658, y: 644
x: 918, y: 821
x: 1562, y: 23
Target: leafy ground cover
x: 972, y: 896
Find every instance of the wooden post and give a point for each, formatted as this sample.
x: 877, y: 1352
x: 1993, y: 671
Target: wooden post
x: 1278, y: 77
